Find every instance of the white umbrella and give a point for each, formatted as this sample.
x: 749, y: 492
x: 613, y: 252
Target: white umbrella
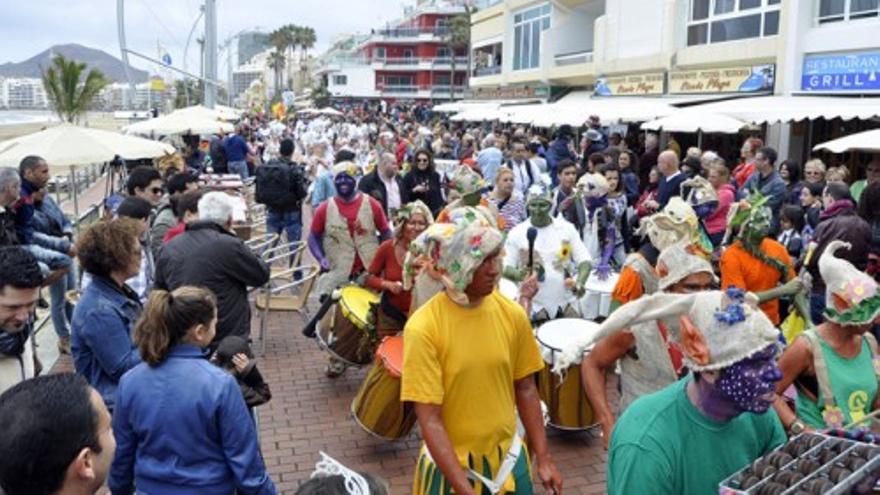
x: 67, y: 145
x: 861, y: 141
x: 330, y: 111
x: 218, y: 113
x: 180, y: 122
x: 695, y: 121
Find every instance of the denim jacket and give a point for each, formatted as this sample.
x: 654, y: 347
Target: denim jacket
x: 100, y: 340
x: 182, y: 427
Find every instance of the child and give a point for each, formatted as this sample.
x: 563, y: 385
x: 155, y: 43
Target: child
x: 234, y: 355
x: 791, y: 219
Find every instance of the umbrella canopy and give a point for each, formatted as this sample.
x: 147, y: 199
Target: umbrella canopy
x: 330, y: 111
x: 183, y: 121
x: 861, y: 141
x: 218, y: 113
x: 695, y: 121
x: 67, y: 144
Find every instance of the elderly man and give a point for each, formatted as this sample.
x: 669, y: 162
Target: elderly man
x: 670, y: 182
x: 489, y: 159
x: 385, y: 185
x: 208, y: 254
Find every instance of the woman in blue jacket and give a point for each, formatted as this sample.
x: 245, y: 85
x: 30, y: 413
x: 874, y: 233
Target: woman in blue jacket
x: 181, y: 424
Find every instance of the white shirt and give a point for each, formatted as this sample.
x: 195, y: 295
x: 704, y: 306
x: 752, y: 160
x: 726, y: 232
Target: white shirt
x: 392, y: 192
x: 552, y: 294
x: 521, y: 180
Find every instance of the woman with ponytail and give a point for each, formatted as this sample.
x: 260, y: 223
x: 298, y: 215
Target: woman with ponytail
x: 181, y: 425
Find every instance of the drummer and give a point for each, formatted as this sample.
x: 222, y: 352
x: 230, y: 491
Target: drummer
x: 386, y: 270
x: 561, y: 262
x: 468, y: 366
x: 649, y: 358
x: 676, y: 223
x: 343, y: 237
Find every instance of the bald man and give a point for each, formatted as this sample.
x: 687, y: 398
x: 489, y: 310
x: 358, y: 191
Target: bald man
x: 670, y: 182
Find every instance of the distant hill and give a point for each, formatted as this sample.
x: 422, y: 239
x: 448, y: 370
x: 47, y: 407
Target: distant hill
x: 95, y: 59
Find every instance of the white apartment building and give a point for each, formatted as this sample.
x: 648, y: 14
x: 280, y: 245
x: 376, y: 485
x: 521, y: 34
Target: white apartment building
x: 22, y: 93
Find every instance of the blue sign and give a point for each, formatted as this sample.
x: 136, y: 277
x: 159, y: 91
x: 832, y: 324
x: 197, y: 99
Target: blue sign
x: 856, y: 72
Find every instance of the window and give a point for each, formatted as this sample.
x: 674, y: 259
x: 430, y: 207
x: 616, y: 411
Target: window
x: 845, y: 10
x: 442, y: 52
x: 398, y: 80
x: 487, y: 60
x: 340, y: 80
x: 717, y: 21
x: 408, y: 53
x: 380, y: 52
x: 527, y: 27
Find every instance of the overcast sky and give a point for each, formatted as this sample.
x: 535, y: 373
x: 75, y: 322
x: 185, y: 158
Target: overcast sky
x: 28, y: 27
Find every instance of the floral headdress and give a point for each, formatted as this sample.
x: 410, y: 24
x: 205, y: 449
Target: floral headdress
x: 852, y: 295
x: 677, y: 223
x: 453, y: 251
x: 539, y: 192
x: 466, y: 181
x: 406, y: 211
x: 593, y: 185
x: 348, y: 168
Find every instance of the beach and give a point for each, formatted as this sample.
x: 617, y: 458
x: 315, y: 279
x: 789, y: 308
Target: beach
x: 15, y: 123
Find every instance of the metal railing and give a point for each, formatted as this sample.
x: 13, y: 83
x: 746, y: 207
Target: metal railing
x: 573, y: 58
x: 399, y: 89
x: 412, y: 61
x: 487, y: 71
x: 411, y: 32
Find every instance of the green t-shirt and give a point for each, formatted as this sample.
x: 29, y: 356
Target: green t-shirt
x: 662, y: 444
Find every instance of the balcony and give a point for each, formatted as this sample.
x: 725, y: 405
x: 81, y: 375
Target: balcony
x: 419, y: 63
x: 443, y: 89
x: 419, y: 90
x: 573, y: 58
x: 409, y: 34
x: 487, y: 71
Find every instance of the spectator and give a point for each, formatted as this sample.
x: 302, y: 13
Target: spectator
x: 57, y: 437
x: 20, y: 280
x: 217, y: 153
x: 145, y: 183
x: 837, y: 174
x: 649, y: 158
x: 108, y: 309
x: 791, y: 222
x: 869, y: 210
x: 187, y: 210
x: 139, y: 210
x: 872, y: 175
x: 716, y: 223
x: 670, y: 181
x: 811, y: 202
x: 535, y: 157
x: 790, y: 173
x: 746, y: 167
x: 287, y: 217
x: 236, y: 149
x: 10, y: 190
x: 209, y: 255
x: 564, y: 199
x: 767, y: 182
x: 386, y: 185
x: 489, y: 158
x: 507, y: 199
x: 423, y: 182
x: 234, y: 355
x: 50, y: 220
x: 629, y: 177
x: 814, y: 171
x: 165, y: 217
x: 525, y: 173
x: 837, y: 222
x: 181, y: 423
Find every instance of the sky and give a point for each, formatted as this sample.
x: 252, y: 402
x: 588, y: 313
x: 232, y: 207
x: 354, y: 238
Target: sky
x: 28, y: 27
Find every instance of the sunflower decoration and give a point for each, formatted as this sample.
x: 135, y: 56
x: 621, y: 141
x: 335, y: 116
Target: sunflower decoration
x: 563, y: 256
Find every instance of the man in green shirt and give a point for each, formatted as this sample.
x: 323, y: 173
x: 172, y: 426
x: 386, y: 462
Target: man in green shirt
x: 692, y: 434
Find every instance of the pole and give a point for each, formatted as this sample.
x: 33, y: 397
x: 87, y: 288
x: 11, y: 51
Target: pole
x: 120, y: 27
x: 74, y: 187
x: 186, y: 48
x: 210, y: 53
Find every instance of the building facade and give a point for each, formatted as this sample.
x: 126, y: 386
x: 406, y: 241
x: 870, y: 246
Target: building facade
x: 16, y: 92
x: 409, y: 59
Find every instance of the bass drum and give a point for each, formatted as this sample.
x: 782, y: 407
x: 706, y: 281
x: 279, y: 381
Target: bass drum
x: 349, y: 334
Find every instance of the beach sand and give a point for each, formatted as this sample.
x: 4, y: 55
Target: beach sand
x: 98, y: 120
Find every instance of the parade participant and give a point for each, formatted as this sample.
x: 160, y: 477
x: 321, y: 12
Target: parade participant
x: 106, y: 312
x: 702, y: 197
x: 181, y: 424
x: 756, y: 262
x: 386, y: 270
x: 692, y: 434
x: 343, y: 237
x: 422, y: 183
x: 466, y: 407
x: 833, y: 365
x: 555, y: 256
x: 58, y: 437
x: 676, y: 224
x: 468, y: 186
x: 509, y: 202
x: 600, y: 229
x: 648, y: 358
x: 20, y: 280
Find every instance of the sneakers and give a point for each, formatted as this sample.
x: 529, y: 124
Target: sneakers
x: 64, y: 345
x: 335, y: 368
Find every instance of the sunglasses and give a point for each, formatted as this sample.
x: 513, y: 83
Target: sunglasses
x: 421, y: 160
x: 156, y: 190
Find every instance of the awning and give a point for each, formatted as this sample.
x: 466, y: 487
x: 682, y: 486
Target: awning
x: 461, y: 106
x: 861, y: 141
x: 574, y: 109
x: 773, y: 109
x: 479, y: 115
x: 695, y: 120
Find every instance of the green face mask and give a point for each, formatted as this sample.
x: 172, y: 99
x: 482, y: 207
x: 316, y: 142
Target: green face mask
x: 539, y: 212
x: 757, y: 228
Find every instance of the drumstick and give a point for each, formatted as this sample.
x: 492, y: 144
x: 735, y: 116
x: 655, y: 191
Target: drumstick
x: 310, y: 328
x: 531, y: 235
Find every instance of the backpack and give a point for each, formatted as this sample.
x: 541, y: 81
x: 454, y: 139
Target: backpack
x: 528, y: 165
x: 280, y: 185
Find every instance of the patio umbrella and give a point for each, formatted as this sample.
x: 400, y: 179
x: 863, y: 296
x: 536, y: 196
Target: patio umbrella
x: 330, y: 111
x: 695, y: 121
x: 860, y: 141
x: 181, y: 122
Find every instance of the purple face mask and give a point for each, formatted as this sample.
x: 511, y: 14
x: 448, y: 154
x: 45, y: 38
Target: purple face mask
x: 749, y: 384
x: 344, y: 185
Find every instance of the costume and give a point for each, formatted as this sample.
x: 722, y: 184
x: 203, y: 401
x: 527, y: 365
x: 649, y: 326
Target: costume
x: 601, y: 231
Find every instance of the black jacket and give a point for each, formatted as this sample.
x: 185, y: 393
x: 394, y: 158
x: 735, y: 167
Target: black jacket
x: 433, y: 197
x: 207, y: 255
x: 8, y: 236
x: 372, y: 185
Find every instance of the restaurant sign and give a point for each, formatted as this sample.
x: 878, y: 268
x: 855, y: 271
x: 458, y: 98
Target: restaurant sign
x: 746, y: 79
x: 843, y: 72
x: 510, y: 93
x: 650, y: 83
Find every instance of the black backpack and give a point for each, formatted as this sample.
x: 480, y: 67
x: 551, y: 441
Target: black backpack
x: 280, y: 185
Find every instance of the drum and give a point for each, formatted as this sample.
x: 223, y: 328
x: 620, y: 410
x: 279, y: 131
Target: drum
x: 349, y: 335
x: 566, y: 401
x: 377, y: 407
x: 508, y: 289
x: 596, y: 302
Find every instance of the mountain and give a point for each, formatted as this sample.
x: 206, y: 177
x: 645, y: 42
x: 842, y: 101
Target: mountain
x: 95, y: 59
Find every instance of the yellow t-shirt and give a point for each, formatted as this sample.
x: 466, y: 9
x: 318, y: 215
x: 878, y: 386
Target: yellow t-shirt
x: 466, y: 360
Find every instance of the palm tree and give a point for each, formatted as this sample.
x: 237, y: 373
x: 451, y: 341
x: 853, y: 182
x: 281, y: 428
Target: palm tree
x: 276, y: 63
x: 307, y: 40
x: 294, y: 35
x: 69, y: 95
x: 282, y: 39
x: 458, y: 36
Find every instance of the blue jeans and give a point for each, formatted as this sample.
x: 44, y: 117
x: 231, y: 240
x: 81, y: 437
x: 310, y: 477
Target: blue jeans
x: 817, y: 307
x: 53, y: 259
x: 60, y: 311
x: 289, y: 222
x: 239, y: 168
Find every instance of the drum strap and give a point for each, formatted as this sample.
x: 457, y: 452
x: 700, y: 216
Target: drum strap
x: 510, y: 459
x: 675, y: 355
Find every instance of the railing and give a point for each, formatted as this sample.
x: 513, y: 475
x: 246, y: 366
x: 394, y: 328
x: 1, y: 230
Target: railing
x: 399, y: 89
x: 460, y: 61
x: 412, y: 32
x: 413, y: 61
x: 573, y: 58
x: 487, y: 71
x: 444, y: 88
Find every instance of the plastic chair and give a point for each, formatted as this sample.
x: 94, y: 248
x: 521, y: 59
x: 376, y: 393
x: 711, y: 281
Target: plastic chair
x: 279, y: 298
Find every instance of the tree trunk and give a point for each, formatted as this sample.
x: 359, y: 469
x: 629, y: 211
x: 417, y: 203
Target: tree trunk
x: 451, y: 73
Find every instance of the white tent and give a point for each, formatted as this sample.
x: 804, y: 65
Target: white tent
x: 772, y: 109
x: 461, y: 106
x: 332, y: 112
x: 480, y: 114
x: 575, y: 108
x: 68, y: 145
x: 180, y: 122
x: 219, y: 112
x: 862, y: 141
x: 695, y: 120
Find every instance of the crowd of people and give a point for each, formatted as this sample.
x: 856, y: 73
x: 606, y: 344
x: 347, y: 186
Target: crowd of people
x: 732, y: 281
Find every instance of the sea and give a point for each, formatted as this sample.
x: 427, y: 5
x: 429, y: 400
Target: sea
x: 18, y: 117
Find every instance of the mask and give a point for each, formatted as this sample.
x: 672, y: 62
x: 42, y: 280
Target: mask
x: 539, y: 212
x: 749, y: 384
x: 344, y: 185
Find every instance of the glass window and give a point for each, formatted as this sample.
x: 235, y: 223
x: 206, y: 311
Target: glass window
x: 527, y: 29
x: 863, y: 8
x: 844, y: 10
x: 717, y: 21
